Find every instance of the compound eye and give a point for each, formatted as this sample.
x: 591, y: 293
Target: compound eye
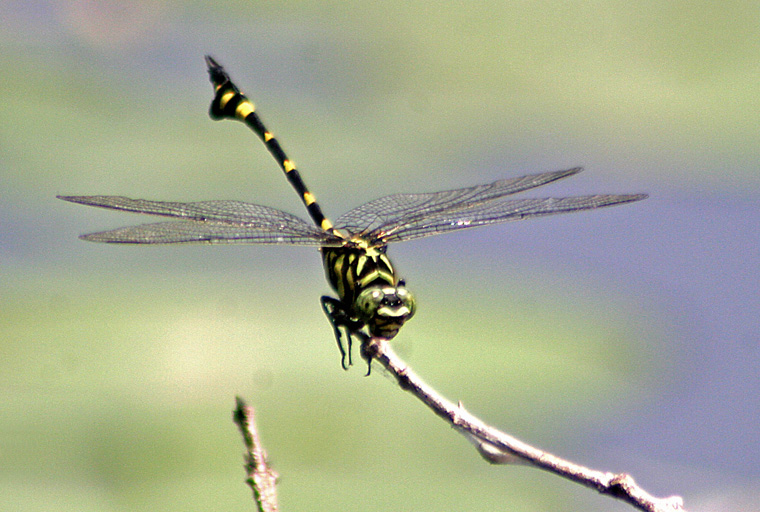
x: 368, y: 302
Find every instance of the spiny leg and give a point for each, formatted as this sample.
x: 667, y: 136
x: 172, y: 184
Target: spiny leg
x: 366, y: 355
x: 339, y: 318
x: 230, y: 103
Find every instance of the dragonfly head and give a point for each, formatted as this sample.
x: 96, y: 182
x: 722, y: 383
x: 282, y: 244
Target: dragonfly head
x: 384, y: 308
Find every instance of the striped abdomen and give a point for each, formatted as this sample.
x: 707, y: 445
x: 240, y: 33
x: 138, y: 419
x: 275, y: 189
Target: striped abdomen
x: 230, y: 103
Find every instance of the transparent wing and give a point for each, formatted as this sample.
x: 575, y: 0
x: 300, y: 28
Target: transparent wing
x: 191, y: 231
x: 230, y: 211
x: 408, y: 208
x: 206, y: 221
x: 492, y: 213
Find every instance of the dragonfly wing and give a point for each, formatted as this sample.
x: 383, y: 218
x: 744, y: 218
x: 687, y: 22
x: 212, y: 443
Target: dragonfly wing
x: 190, y: 231
x: 493, y: 213
x: 390, y: 209
x: 230, y: 211
x: 206, y: 221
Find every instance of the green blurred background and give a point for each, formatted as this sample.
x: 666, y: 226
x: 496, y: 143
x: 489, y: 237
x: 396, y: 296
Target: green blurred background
x: 624, y: 339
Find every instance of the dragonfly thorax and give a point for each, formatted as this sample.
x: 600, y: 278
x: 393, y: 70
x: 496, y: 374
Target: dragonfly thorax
x: 352, y: 269
x: 368, y: 287
x: 384, y: 309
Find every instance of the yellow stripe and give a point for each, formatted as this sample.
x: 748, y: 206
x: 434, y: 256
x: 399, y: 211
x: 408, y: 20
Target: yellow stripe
x: 268, y: 136
x: 360, y: 265
x: 288, y: 165
x: 242, y: 110
x: 226, y: 97
x: 375, y: 275
x: 337, y: 264
x: 326, y: 225
x: 308, y: 198
x: 386, y: 261
x: 348, y: 275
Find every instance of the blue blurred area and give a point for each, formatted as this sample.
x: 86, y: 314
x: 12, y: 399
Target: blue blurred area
x: 625, y: 339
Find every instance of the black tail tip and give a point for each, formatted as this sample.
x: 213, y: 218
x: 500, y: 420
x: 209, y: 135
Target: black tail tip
x: 210, y: 62
x: 216, y: 72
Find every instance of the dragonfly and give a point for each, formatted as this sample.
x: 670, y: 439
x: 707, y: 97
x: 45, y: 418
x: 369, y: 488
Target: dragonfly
x: 371, y: 296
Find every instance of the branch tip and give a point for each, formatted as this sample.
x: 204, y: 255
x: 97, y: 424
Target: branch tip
x: 259, y: 476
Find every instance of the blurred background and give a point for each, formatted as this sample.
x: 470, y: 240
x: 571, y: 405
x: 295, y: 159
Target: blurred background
x: 624, y: 339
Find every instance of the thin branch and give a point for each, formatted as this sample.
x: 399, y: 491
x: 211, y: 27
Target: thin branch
x: 260, y: 477
x: 500, y: 448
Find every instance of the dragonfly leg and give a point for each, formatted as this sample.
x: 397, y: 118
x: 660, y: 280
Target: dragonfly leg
x: 339, y: 318
x: 366, y: 356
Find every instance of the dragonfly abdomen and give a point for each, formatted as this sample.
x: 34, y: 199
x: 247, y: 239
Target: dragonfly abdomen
x: 230, y: 103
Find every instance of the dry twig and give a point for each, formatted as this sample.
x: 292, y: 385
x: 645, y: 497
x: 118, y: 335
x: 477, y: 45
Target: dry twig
x: 493, y: 445
x: 500, y: 448
x: 261, y: 478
